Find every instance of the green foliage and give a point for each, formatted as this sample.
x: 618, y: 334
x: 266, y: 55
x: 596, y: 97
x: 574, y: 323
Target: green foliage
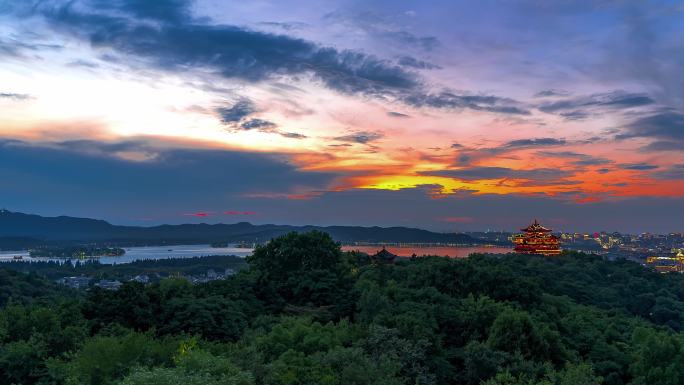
x: 105, y: 358
x: 295, y: 253
x: 516, y: 332
x: 29, y: 336
x: 306, y: 313
x: 658, y: 358
x: 194, y: 367
x: 214, y: 318
x: 385, y: 345
x: 338, y: 366
x: 304, y: 269
x: 304, y: 336
x: 28, y: 288
x: 579, y: 374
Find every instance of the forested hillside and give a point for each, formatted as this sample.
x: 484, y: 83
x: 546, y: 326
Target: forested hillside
x: 19, y: 231
x: 306, y: 313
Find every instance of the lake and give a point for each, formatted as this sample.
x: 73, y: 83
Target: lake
x: 443, y: 251
x: 147, y: 252
x: 189, y: 251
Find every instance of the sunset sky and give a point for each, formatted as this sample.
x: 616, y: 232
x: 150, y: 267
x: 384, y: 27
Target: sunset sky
x: 446, y: 115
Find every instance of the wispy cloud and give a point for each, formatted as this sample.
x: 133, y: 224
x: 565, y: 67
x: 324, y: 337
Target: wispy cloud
x: 14, y: 96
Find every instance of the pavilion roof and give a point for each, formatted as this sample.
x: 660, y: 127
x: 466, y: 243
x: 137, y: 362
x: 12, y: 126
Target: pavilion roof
x: 384, y: 255
x: 536, y: 227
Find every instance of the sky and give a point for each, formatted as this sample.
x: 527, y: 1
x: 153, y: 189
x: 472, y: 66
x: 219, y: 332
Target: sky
x: 445, y: 115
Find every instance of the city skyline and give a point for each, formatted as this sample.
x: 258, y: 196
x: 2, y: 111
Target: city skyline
x: 456, y: 115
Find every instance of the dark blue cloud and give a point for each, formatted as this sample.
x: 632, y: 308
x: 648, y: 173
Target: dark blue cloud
x: 237, y: 118
x: 551, y: 93
x: 165, y: 34
x: 408, y: 61
x: 452, y: 100
x: 513, y: 145
x: 238, y: 111
x: 662, y: 145
x: 178, y: 42
x: 362, y: 137
x: 575, y: 108
x: 580, y: 159
x: 258, y: 124
x: 539, y: 175
x: 674, y: 172
x: 667, y: 125
x: 637, y: 166
x: 293, y: 135
x: 534, y: 142
x: 87, y: 176
x: 395, y: 114
x: 162, y: 10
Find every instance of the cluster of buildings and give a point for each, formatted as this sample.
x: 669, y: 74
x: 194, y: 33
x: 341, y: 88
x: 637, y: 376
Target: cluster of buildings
x: 211, y: 275
x: 667, y: 264
x: 536, y: 239
x: 84, y: 282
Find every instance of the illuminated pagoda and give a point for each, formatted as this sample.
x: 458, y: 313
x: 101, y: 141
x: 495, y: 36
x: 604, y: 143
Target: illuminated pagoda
x: 536, y: 239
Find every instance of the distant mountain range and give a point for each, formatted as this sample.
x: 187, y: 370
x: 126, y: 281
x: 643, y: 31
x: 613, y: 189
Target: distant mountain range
x: 19, y: 230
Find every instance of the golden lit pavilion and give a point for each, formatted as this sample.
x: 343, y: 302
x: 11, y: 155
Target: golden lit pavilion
x: 673, y: 264
x: 536, y: 239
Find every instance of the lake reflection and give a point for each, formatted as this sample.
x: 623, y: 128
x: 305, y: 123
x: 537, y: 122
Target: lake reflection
x: 189, y: 251
x: 146, y: 253
x: 443, y: 251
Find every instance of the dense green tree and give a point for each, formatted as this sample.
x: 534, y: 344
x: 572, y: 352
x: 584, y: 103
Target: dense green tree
x: 194, y: 367
x: 515, y: 331
x: 658, y: 358
x: 105, y: 359
x: 213, y: 318
x: 23, y: 362
x: 306, y: 313
x: 383, y: 344
x: 304, y: 269
x: 132, y: 306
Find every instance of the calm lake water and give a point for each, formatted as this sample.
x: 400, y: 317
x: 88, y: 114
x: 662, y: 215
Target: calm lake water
x: 443, y: 251
x: 188, y: 251
x: 149, y: 252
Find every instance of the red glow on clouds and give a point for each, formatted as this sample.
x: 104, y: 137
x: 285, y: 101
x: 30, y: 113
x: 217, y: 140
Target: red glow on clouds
x: 200, y: 214
x: 457, y: 219
x: 588, y: 199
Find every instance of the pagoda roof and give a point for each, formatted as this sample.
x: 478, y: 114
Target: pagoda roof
x: 536, y: 227
x: 384, y: 256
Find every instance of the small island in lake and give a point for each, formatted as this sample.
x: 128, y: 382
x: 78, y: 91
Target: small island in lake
x: 76, y: 252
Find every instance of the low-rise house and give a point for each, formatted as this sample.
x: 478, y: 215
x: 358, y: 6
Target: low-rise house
x: 109, y: 284
x: 142, y: 278
x: 75, y: 282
